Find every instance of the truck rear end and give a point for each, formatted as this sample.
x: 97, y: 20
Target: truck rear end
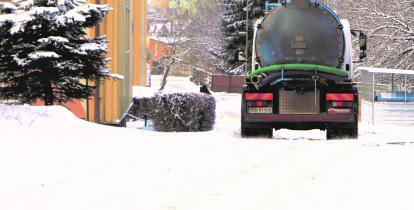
x: 334, y: 109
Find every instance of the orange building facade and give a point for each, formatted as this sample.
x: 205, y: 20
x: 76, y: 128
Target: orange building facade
x: 126, y: 29
x: 157, y: 49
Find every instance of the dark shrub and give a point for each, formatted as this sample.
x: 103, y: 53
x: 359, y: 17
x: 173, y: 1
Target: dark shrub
x: 143, y: 106
x: 178, y: 112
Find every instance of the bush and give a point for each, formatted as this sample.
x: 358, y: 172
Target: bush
x: 178, y: 112
x: 143, y: 106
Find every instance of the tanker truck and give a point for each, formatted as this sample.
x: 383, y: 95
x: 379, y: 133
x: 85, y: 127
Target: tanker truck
x: 301, y: 73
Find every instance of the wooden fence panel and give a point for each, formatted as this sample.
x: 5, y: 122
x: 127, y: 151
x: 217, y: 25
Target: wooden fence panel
x: 219, y: 83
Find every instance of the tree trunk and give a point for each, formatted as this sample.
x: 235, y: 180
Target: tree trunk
x: 166, y: 72
x: 49, y: 97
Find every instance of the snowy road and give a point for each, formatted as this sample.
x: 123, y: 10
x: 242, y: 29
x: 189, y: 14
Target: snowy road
x: 51, y: 160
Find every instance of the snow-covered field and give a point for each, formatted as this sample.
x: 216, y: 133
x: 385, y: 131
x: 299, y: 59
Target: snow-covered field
x: 51, y: 160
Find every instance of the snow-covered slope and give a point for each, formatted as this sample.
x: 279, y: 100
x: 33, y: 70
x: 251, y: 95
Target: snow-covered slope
x: 51, y: 160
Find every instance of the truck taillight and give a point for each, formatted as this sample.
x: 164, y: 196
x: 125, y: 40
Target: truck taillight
x: 259, y: 96
x: 340, y: 103
x: 259, y: 103
x: 340, y: 97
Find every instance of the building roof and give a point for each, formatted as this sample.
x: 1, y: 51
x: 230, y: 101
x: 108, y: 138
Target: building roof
x: 387, y: 71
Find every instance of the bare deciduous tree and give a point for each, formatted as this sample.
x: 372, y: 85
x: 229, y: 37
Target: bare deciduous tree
x: 390, y: 26
x: 175, y: 49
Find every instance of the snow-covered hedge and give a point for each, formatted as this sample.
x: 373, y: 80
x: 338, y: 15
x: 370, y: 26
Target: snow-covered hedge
x: 178, y: 112
x: 143, y: 106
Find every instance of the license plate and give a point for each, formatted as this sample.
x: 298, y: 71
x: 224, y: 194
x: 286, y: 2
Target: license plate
x: 260, y: 110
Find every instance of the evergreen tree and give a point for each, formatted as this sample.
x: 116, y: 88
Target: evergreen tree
x: 45, y: 52
x: 234, y: 21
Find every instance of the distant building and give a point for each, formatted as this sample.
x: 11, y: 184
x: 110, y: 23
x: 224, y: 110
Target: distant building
x: 160, y: 49
x: 159, y: 27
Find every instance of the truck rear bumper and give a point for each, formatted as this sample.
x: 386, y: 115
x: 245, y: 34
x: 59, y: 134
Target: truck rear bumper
x: 269, y: 118
x: 299, y: 122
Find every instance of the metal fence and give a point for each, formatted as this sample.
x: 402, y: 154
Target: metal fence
x: 385, y: 94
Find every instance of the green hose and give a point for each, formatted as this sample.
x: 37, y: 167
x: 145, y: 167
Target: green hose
x: 300, y: 67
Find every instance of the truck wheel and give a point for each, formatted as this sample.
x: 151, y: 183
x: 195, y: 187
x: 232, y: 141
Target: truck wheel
x: 352, y: 133
x: 256, y: 132
x: 332, y: 133
x: 266, y: 132
x: 247, y: 132
x: 342, y: 133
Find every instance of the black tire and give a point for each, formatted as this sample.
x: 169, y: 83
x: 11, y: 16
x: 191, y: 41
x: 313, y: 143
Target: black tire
x: 351, y: 133
x: 342, y: 133
x: 256, y: 132
x: 332, y: 133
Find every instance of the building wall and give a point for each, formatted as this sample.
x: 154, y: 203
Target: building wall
x: 125, y: 27
x: 157, y: 50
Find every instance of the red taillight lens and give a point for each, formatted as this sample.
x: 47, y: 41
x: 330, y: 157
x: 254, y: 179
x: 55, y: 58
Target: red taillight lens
x: 340, y: 97
x: 258, y: 103
x: 341, y: 104
x: 259, y: 96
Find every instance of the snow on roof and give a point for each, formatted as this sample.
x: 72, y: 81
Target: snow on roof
x: 170, y: 40
x: 387, y: 71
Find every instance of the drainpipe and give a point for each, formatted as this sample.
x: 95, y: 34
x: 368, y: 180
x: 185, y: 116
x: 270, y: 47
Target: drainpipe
x: 97, y: 90
x: 87, y: 103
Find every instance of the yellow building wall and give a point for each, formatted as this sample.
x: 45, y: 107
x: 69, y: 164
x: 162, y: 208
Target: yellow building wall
x: 126, y: 30
x: 140, y: 44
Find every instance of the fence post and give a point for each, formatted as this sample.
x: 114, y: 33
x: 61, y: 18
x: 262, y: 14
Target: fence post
x: 373, y: 98
x: 405, y: 91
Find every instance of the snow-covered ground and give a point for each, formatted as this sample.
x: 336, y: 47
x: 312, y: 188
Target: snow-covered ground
x: 51, y: 160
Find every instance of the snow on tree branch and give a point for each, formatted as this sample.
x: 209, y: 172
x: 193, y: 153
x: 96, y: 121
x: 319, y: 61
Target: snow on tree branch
x: 45, y: 52
x: 390, y: 26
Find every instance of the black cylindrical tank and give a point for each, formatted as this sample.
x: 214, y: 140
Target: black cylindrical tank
x: 301, y: 31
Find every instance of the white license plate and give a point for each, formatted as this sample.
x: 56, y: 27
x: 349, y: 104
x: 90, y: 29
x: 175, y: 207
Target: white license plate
x: 260, y: 110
